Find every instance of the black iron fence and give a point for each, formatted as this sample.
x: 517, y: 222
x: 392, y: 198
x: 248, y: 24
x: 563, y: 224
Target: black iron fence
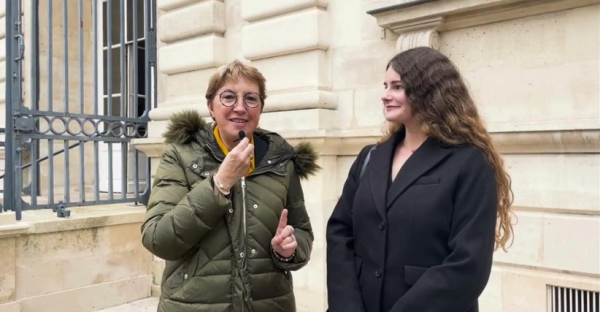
x: 79, y: 86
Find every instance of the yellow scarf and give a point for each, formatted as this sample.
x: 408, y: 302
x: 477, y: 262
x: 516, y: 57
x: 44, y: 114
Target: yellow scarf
x: 223, y: 147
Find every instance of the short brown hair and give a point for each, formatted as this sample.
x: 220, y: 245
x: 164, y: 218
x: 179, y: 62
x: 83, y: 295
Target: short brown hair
x: 233, y: 71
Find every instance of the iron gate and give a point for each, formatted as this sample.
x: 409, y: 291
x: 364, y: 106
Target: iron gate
x: 72, y: 109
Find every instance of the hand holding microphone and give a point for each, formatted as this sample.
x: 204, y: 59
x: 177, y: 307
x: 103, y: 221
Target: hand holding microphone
x: 236, y: 163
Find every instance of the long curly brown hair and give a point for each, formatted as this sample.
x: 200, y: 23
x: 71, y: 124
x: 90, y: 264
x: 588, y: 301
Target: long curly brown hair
x: 442, y: 106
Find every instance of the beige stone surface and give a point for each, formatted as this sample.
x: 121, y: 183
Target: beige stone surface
x: 158, y: 267
x: 3, y: 27
x: 360, y: 67
x: 3, y: 49
x: 3, y: 73
x: 7, y: 270
x: 307, y: 119
x: 95, y: 253
x: 91, y: 298
x: 297, y: 32
x: 166, y: 5
x: 10, y: 307
x: 491, y: 298
x: 67, y: 260
x: 520, y: 289
x: 196, y: 20
x: 450, y: 15
x: 3, y: 94
x: 560, y: 182
x: 184, y: 56
x: 283, y: 73
x: 192, y: 84
x: 233, y: 35
x: 549, y: 46
x: 144, y: 305
x: 549, y: 241
x: 260, y: 9
x: 300, y: 100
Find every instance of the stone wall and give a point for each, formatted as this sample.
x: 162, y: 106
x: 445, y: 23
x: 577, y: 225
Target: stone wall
x: 91, y: 261
x: 532, y: 67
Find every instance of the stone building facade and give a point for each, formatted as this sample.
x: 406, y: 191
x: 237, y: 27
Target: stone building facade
x: 532, y: 67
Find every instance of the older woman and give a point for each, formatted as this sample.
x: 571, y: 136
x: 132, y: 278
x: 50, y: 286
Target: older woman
x: 227, y: 208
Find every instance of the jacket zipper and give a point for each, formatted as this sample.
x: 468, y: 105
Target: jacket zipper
x: 244, y: 205
x: 245, y: 241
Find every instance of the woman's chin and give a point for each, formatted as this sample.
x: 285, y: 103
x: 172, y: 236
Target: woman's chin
x: 393, y: 117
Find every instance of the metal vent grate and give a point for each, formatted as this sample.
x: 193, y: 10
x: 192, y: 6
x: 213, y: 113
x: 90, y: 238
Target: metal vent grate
x: 563, y: 299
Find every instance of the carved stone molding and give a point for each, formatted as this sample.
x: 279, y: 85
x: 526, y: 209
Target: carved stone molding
x: 418, y: 21
x: 422, y: 38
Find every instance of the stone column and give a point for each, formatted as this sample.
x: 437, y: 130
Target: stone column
x: 191, y: 47
x: 288, y: 42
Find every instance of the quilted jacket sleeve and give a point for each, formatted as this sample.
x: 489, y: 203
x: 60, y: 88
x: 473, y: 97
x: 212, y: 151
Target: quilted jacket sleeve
x: 178, y: 216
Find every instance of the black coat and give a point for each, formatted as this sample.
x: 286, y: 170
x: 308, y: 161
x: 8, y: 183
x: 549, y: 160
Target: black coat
x: 423, y: 243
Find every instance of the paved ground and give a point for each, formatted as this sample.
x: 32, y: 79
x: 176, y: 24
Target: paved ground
x: 144, y: 305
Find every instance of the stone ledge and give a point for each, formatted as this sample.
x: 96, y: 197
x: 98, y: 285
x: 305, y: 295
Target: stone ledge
x: 184, y: 56
x: 405, y: 15
x: 297, y: 32
x: 253, y: 10
x: 45, y: 221
x: 196, y: 20
x: 292, y: 101
x: 532, y: 142
x: 314, y: 66
x: 300, y: 101
x: 418, y: 21
x: 167, y: 5
x: 91, y: 298
x: 350, y: 142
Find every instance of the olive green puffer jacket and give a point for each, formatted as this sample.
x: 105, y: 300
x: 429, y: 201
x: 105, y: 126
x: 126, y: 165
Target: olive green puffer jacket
x: 218, y: 249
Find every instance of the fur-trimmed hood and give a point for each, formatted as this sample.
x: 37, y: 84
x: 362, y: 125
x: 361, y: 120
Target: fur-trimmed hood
x: 188, y: 126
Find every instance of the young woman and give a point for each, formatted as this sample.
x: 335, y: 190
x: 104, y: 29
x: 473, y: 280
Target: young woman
x: 417, y: 232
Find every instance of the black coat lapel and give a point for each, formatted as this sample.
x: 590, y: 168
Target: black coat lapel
x: 380, y: 166
x: 425, y: 157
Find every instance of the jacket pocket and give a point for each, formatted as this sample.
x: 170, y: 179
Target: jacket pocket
x: 358, y: 265
x: 412, y: 274
x: 427, y: 180
x: 176, y: 280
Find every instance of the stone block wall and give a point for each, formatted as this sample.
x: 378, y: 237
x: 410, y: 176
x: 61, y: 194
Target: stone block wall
x: 532, y: 68
x: 93, y: 260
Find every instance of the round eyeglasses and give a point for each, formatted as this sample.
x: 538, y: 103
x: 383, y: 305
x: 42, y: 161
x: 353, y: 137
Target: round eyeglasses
x: 229, y: 98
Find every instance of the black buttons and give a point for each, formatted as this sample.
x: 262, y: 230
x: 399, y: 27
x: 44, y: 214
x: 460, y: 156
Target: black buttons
x: 382, y: 225
x: 378, y: 273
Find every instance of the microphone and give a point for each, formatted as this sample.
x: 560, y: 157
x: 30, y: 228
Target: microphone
x: 241, y: 135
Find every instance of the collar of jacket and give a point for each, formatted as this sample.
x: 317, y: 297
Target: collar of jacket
x: 186, y: 127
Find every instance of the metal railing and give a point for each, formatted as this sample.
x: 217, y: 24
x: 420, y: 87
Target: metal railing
x: 90, y: 128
